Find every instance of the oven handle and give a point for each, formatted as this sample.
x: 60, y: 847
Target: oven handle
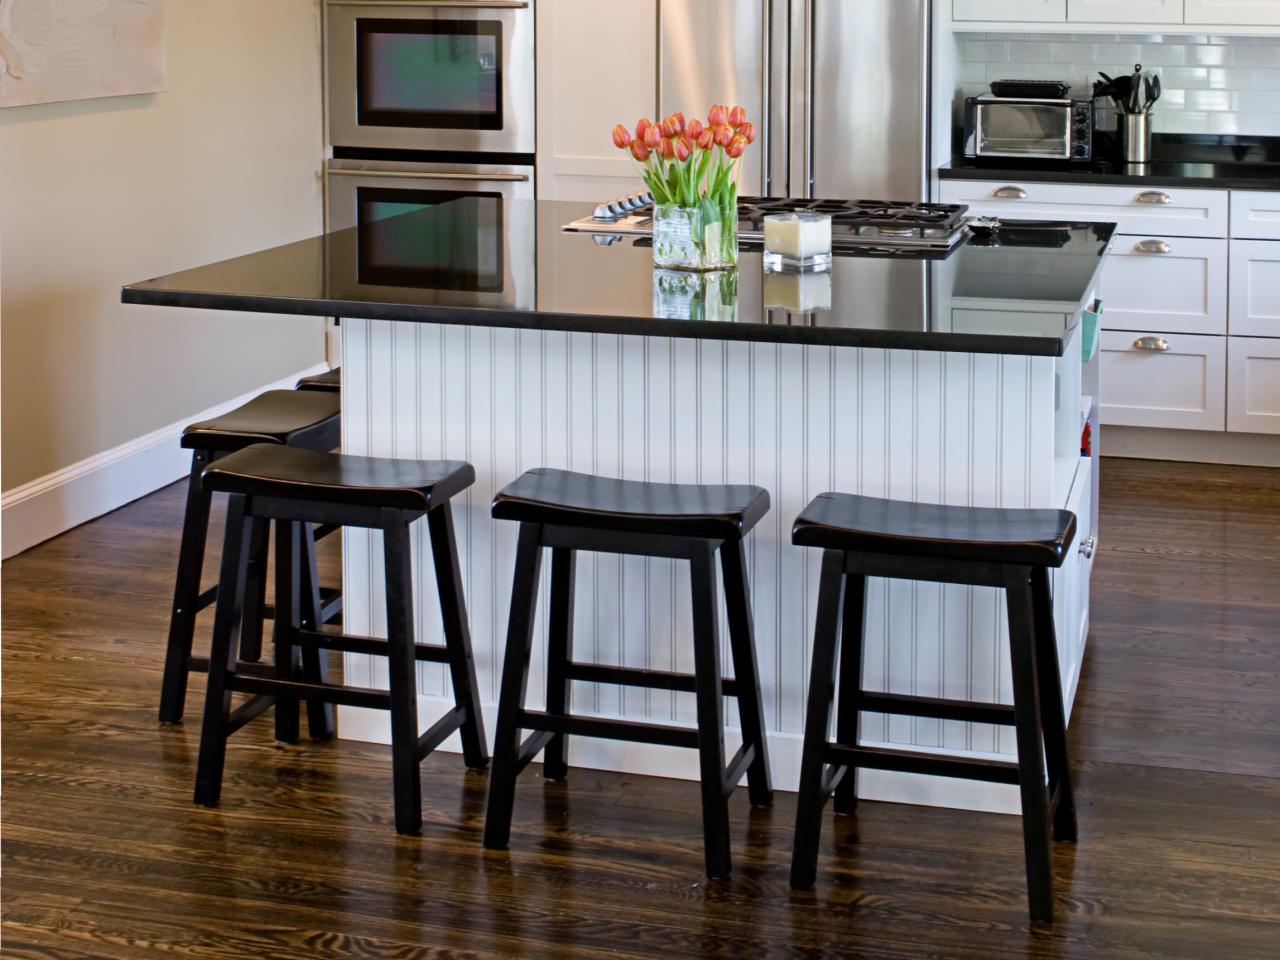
x: 398, y: 175
x: 465, y: 4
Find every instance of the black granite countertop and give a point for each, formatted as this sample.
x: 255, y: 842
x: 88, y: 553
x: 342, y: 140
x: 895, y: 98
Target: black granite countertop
x: 509, y: 264
x: 1228, y: 163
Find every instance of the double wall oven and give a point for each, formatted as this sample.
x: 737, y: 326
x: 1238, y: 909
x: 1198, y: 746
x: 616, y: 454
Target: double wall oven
x: 431, y: 101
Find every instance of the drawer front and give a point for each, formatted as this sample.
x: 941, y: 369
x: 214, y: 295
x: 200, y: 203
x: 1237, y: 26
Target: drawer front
x: 1157, y: 211
x: 1253, y: 385
x: 1183, y: 386
x: 1248, y: 13
x: 1125, y: 11
x: 1255, y: 215
x: 1166, y: 284
x: 1255, y: 288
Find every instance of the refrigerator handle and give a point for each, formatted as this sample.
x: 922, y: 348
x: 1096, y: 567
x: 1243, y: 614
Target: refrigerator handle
x: 799, y: 161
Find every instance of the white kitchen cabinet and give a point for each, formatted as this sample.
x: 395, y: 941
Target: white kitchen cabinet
x: 1253, y: 385
x: 1026, y: 11
x: 585, y: 86
x: 1255, y: 215
x: 1259, y: 13
x: 1071, y: 584
x: 1159, y: 212
x: 1166, y: 284
x: 1174, y: 380
x: 1125, y: 11
x: 1255, y: 288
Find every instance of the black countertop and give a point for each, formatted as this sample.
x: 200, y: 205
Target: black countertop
x: 509, y: 264
x: 1227, y: 163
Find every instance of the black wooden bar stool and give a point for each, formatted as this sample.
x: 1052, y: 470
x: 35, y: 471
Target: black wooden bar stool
x: 295, y: 487
x: 329, y: 382
x: 287, y: 417
x: 571, y: 511
x: 1013, y: 549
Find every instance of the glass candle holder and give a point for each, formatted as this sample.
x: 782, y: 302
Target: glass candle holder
x: 797, y: 241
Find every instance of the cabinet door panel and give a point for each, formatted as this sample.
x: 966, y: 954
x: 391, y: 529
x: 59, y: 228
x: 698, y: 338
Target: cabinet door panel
x: 1260, y: 13
x: 1255, y: 288
x: 1253, y: 385
x: 1172, y: 284
x: 1255, y: 215
x: 1157, y: 211
x: 1183, y: 386
x: 1038, y: 11
x: 1125, y: 11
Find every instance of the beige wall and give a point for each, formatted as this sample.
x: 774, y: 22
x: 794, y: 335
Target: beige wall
x: 95, y: 194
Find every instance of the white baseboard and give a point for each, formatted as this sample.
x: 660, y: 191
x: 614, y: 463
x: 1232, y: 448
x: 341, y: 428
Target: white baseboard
x: 373, y: 726
x: 1195, y: 446
x: 66, y: 498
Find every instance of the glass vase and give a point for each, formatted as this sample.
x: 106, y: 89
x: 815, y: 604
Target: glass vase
x: 702, y: 237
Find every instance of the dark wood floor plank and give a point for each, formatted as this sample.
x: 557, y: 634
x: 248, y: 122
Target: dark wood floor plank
x: 1175, y: 739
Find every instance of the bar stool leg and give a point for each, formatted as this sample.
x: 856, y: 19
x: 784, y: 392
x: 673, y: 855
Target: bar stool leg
x: 255, y: 596
x: 1052, y: 709
x: 286, y: 624
x: 186, y: 592
x: 402, y: 666
x: 222, y: 659
x: 737, y: 601
x: 315, y: 662
x: 457, y: 635
x: 515, y: 681
x: 850, y: 687
x: 559, y: 649
x: 822, y: 682
x: 1031, y: 769
x: 710, y: 710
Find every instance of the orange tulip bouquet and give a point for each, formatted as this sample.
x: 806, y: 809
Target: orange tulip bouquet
x: 692, y: 169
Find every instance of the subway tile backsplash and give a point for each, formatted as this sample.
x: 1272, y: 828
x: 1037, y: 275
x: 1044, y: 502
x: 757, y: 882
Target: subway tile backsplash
x: 1211, y: 84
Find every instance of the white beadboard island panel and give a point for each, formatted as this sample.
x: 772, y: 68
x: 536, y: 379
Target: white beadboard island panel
x: 797, y: 420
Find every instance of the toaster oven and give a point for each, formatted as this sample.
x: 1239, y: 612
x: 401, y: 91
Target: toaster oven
x: 1028, y: 128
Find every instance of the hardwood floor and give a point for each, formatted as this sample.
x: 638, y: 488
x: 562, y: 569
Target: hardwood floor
x: 1176, y: 749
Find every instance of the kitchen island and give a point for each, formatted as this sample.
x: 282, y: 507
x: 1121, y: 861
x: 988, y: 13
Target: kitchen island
x: 508, y: 342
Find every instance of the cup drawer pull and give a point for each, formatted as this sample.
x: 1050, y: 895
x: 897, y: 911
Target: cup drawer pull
x: 1153, y: 246
x: 1010, y: 193
x: 1154, y: 344
x: 1087, y: 546
x: 1154, y: 196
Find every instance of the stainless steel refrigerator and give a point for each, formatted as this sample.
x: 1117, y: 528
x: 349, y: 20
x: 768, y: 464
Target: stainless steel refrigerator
x: 839, y: 88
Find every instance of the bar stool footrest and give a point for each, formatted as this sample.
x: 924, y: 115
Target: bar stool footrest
x: 439, y: 731
x: 970, y: 711
x: 632, y: 677
x: 737, y: 768
x: 629, y: 730
x: 373, y: 646
x: 911, y: 761
x: 325, y: 692
x: 532, y: 746
x: 249, y: 668
x: 250, y: 710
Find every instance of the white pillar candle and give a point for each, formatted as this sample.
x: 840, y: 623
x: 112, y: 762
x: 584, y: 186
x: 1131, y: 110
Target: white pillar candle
x: 798, y: 238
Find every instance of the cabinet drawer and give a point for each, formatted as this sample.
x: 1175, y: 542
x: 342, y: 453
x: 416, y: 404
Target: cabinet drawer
x: 1157, y: 211
x: 1250, y: 13
x: 1166, y: 284
x: 1255, y: 215
x: 1038, y: 11
x: 1125, y: 11
x: 1183, y: 386
x: 1253, y: 385
x: 1255, y: 288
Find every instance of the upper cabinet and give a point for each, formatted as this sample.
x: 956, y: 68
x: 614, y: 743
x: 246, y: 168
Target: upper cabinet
x: 1125, y: 11
x: 1261, y: 13
x: 1024, y: 11
x: 1185, y: 16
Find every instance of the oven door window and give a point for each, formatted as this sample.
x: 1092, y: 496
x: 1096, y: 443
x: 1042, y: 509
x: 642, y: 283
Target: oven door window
x: 1024, y: 129
x: 458, y: 247
x: 443, y: 74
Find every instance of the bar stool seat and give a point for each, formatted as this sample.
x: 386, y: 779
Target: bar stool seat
x: 570, y: 512
x: 330, y: 381
x: 564, y: 498
x: 297, y: 474
x: 841, y: 521
x: 279, y: 417
x: 295, y: 488
x: 1013, y: 550
x: 299, y: 418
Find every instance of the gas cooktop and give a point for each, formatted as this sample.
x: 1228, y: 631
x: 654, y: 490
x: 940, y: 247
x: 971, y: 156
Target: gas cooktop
x: 854, y: 223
